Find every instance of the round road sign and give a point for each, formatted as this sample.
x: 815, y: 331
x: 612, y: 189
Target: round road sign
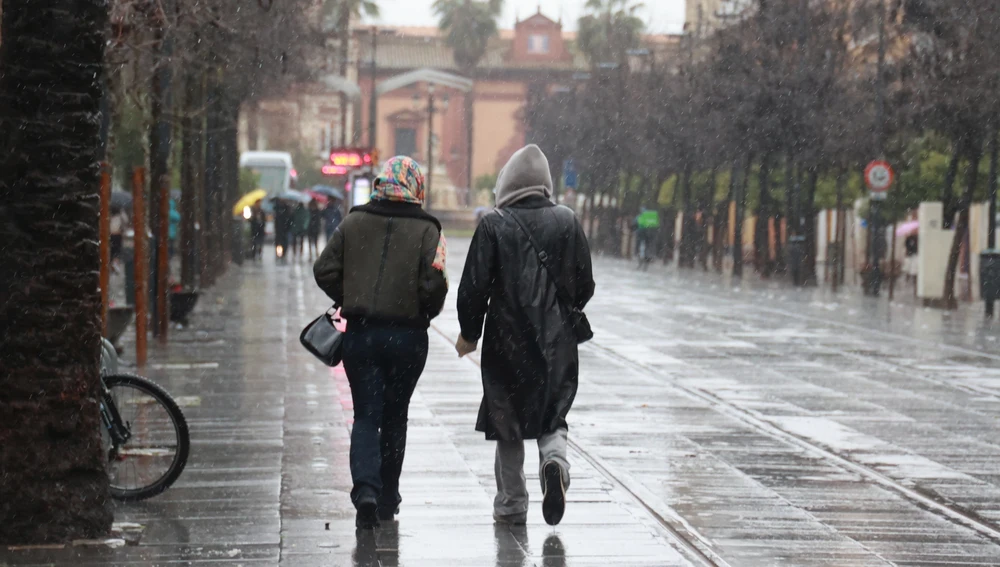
x: 879, y: 176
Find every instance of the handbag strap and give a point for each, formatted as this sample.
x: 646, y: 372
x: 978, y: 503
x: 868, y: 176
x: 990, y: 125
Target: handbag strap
x: 543, y: 259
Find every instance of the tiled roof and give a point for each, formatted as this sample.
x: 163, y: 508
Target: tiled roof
x: 416, y: 51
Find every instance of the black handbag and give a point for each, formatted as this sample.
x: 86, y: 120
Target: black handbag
x: 323, y: 339
x: 577, y: 318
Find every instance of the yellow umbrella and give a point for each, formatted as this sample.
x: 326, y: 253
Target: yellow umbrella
x: 248, y: 200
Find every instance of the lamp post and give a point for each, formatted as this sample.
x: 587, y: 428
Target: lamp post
x: 431, y: 109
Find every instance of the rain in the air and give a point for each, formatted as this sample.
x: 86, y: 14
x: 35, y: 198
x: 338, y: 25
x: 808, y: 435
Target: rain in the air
x: 512, y: 283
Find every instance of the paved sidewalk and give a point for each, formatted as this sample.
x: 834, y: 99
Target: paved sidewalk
x: 718, y: 423
x: 267, y: 482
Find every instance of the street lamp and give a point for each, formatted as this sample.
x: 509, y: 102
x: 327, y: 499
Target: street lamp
x: 431, y: 109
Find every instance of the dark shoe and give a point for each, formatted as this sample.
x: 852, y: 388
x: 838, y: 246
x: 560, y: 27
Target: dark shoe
x: 554, y: 500
x: 510, y: 519
x: 387, y: 514
x: 367, y: 518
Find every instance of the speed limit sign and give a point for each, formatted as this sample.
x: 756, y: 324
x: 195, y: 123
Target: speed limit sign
x: 879, y: 177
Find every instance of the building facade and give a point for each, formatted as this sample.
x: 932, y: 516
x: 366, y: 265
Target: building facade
x: 522, y: 63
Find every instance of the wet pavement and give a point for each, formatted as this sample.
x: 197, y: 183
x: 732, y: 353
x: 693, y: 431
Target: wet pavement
x: 717, y: 424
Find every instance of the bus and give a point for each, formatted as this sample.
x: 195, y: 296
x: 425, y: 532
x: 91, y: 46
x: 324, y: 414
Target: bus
x: 274, y: 169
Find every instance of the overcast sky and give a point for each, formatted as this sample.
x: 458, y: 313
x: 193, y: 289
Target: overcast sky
x: 663, y: 16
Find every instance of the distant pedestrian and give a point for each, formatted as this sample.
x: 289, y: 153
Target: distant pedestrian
x: 530, y: 361
x: 300, y: 228
x: 385, y: 268
x: 258, y: 228
x: 173, y: 228
x: 647, y: 225
x: 282, y: 228
x: 332, y: 215
x: 315, y: 225
x: 119, y: 224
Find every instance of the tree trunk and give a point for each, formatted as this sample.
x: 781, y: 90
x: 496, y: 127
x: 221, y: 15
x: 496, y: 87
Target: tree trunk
x: 947, y: 192
x: 689, y: 251
x: 53, y: 486
x: 741, y: 205
x: 972, y: 178
x: 838, y: 266
x: 211, y: 256
x: 807, y: 213
x: 190, y: 145
x: 761, y: 252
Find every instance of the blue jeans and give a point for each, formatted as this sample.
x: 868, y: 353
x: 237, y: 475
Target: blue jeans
x: 383, y: 364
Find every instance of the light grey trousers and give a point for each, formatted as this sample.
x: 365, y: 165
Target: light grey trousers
x: 512, y: 488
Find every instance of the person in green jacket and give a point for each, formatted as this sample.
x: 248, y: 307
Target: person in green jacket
x: 173, y: 228
x: 647, y: 224
x: 300, y: 228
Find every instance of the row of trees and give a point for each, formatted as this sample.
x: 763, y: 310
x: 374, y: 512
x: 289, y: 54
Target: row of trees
x: 778, y: 110
x: 140, y: 83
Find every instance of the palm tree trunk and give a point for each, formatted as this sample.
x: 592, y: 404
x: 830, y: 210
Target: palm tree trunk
x: 53, y: 487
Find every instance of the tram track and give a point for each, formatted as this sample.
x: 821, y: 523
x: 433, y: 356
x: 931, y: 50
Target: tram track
x: 954, y: 513
x: 693, y: 546
x: 699, y: 549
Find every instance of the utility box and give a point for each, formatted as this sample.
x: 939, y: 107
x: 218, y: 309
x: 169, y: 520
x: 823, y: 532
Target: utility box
x: 989, y: 275
x: 932, y: 252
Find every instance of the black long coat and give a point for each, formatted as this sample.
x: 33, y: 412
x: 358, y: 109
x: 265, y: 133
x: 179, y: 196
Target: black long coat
x: 529, y: 351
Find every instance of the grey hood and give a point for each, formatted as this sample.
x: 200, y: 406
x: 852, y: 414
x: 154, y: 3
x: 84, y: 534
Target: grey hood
x: 525, y: 175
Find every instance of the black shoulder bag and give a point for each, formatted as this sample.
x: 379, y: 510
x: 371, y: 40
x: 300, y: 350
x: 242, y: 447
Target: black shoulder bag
x: 323, y: 340
x: 577, y: 318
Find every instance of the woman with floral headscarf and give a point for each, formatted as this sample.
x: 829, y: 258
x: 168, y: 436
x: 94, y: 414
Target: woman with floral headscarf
x: 385, y: 268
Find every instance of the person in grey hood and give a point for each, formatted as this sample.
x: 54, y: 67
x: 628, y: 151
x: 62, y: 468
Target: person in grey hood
x: 530, y: 361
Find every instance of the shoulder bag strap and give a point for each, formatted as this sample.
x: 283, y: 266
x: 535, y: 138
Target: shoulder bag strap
x: 543, y: 259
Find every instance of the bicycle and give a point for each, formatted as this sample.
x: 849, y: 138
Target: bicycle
x: 144, y: 434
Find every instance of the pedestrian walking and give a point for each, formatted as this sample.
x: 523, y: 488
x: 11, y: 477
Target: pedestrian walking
x: 258, y: 228
x: 119, y: 224
x: 385, y: 268
x: 315, y: 224
x: 282, y: 228
x: 525, y: 258
x: 332, y: 215
x: 173, y: 228
x: 300, y: 228
x: 647, y: 224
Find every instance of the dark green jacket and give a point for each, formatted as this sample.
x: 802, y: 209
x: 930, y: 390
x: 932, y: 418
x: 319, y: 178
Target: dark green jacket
x: 379, y: 265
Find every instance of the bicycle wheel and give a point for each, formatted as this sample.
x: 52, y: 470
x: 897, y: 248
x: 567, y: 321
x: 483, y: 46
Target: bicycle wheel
x: 158, y: 443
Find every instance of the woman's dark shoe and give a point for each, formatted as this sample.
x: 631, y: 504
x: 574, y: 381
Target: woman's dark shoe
x: 554, y: 500
x: 367, y: 518
x: 387, y: 514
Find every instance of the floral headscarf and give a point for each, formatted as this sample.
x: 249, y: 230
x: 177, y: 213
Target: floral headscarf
x: 401, y: 181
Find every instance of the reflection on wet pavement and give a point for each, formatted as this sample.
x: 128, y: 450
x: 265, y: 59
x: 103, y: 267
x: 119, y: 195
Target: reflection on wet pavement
x: 713, y: 426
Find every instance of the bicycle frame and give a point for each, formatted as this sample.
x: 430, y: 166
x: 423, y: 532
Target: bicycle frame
x: 118, y: 431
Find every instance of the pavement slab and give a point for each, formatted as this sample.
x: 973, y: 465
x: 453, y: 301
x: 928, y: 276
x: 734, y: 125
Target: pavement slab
x: 718, y: 423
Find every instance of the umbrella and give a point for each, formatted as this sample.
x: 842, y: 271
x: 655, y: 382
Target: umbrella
x: 319, y: 197
x: 908, y: 228
x: 121, y: 199
x: 248, y: 200
x: 292, y: 195
x: 331, y: 192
